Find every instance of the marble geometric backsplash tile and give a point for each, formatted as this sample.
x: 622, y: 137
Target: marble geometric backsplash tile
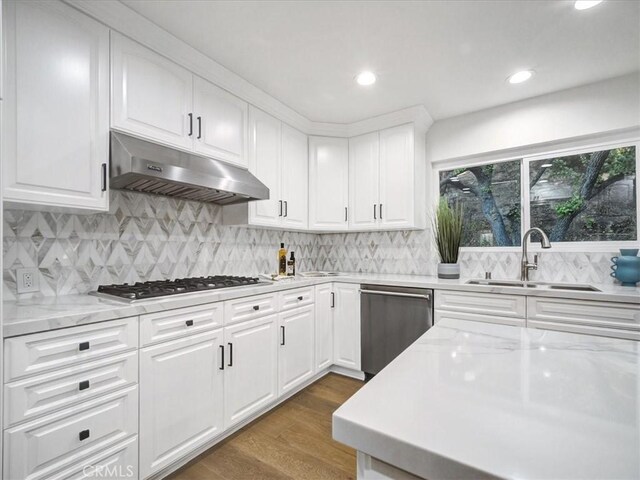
x: 146, y: 237
x: 142, y: 237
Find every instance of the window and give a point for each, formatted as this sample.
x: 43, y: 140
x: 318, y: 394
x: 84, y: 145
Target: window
x: 490, y: 196
x: 586, y: 197
x: 579, y: 197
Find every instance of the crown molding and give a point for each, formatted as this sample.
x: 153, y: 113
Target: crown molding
x: 119, y: 17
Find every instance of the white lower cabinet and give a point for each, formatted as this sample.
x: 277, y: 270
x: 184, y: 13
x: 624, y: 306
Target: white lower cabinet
x: 251, y: 367
x: 181, y: 394
x: 296, y: 356
x: 69, y: 438
x: 324, y: 326
x: 346, y: 325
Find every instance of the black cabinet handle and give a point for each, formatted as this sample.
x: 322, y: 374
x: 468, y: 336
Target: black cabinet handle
x: 230, y: 364
x: 84, y: 434
x: 286, y: 208
x: 84, y: 346
x: 380, y: 211
x: 333, y: 300
x: 190, y: 124
x: 103, y: 178
x: 374, y: 212
x: 279, y: 208
x: 256, y: 307
x: 221, y: 367
x: 282, y: 328
x: 345, y: 214
x: 199, y: 128
x: 300, y: 297
x: 83, y: 385
x: 189, y: 323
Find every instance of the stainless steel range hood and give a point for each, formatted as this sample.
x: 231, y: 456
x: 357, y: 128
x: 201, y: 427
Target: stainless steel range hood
x: 151, y: 168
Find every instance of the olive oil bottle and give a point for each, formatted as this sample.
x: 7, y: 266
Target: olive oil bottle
x: 282, y: 260
x: 291, y: 266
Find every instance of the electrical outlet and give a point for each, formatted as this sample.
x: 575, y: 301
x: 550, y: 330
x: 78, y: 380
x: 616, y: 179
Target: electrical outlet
x: 27, y: 280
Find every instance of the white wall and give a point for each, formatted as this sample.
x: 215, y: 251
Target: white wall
x: 601, y: 107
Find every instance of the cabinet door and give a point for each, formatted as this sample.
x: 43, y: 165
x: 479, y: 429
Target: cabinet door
x: 264, y: 162
x: 324, y: 326
x: 152, y: 97
x: 363, y: 181
x: 346, y: 325
x: 56, y: 107
x: 397, y: 177
x: 220, y: 123
x: 251, y: 368
x: 328, y: 183
x: 181, y: 387
x: 295, y: 178
x: 296, y: 356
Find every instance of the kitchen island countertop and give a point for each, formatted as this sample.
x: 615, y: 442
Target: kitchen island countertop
x: 480, y: 400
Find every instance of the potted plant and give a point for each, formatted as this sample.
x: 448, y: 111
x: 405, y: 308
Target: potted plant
x: 447, y: 231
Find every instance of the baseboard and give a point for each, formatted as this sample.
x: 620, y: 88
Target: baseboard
x: 227, y: 433
x: 347, y: 372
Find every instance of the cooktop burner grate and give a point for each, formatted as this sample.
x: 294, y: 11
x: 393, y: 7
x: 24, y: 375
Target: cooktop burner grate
x: 161, y: 288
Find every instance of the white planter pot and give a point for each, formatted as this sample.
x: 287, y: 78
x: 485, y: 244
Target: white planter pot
x: 449, y: 270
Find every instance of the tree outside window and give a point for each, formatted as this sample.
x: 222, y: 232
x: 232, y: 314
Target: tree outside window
x: 490, y: 195
x: 585, y: 197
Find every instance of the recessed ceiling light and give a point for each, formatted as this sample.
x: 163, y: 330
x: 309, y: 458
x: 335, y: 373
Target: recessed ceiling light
x: 366, y: 78
x: 584, y: 4
x: 520, y: 77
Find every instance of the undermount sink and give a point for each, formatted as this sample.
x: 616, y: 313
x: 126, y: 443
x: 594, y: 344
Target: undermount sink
x: 550, y: 286
x: 319, y: 274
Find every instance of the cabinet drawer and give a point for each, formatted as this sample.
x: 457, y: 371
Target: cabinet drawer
x: 31, y: 354
x: 585, y: 329
x: 440, y: 315
x: 159, y: 327
x: 248, y: 308
x: 117, y: 462
x: 43, y: 394
x: 41, y: 448
x: 482, y: 303
x: 298, y: 297
x: 585, y: 312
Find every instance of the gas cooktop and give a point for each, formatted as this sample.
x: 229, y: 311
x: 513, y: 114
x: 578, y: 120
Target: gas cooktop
x: 162, y: 288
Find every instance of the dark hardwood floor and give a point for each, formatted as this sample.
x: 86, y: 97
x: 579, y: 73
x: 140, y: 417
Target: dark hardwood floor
x: 293, y: 441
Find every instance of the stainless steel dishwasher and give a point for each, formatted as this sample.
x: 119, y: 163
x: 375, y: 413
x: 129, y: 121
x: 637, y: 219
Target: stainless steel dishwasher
x: 392, y: 318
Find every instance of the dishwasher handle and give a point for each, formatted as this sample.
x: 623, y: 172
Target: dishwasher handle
x: 395, y: 294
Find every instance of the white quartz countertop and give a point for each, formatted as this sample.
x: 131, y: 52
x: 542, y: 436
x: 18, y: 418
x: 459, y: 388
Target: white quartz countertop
x: 479, y: 400
x: 21, y: 317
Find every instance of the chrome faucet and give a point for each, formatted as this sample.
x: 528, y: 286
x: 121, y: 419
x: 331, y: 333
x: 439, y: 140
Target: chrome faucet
x: 525, y: 266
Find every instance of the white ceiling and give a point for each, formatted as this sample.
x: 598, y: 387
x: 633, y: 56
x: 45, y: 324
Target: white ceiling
x: 451, y: 56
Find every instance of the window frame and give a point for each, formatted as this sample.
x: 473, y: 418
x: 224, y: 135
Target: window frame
x: 549, y: 151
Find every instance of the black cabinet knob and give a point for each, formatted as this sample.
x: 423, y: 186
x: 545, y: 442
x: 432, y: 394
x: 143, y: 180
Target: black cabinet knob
x: 300, y: 297
x: 189, y: 323
x: 256, y: 307
x: 84, y: 434
x: 84, y: 346
x: 84, y: 385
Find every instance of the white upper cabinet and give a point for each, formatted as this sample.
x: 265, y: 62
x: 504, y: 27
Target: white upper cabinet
x: 278, y: 156
x: 328, y: 183
x: 364, y: 177
x: 399, y: 171
x: 152, y: 97
x: 219, y: 123
x: 295, y: 178
x: 55, y: 134
x: 265, y: 136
